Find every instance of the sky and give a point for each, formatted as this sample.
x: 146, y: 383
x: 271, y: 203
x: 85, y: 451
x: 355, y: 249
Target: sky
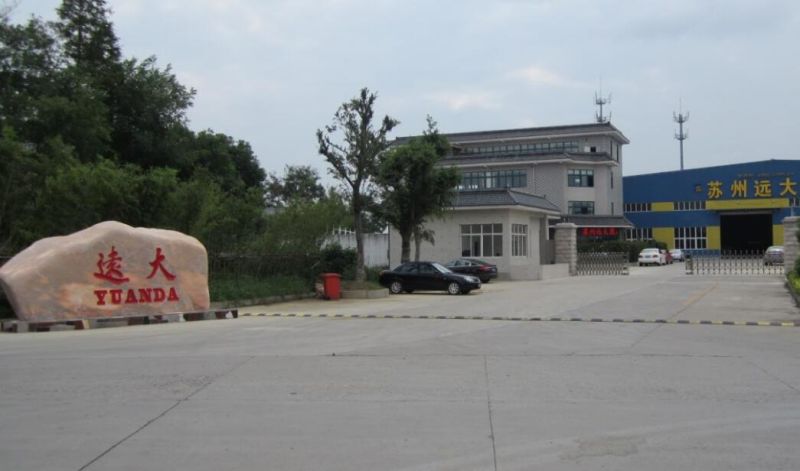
x: 272, y: 72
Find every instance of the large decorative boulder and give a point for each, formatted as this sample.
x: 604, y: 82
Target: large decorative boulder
x: 108, y: 270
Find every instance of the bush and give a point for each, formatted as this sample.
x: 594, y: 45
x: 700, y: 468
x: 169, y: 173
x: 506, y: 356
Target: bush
x: 335, y: 259
x: 794, y: 281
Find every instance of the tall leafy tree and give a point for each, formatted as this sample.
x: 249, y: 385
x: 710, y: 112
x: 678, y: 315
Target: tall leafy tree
x: 30, y: 60
x: 351, y: 145
x: 148, y: 109
x: 299, y: 183
x: 414, y: 187
x: 89, y: 38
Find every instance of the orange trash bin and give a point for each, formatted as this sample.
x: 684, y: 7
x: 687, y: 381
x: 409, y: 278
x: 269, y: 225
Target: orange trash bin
x: 331, y: 283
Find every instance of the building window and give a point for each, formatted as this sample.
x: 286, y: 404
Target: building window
x: 518, y: 149
x: 640, y: 233
x: 580, y: 177
x: 519, y: 240
x: 637, y: 207
x: 612, y: 179
x: 690, y: 238
x: 696, y: 205
x: 481, y: 240
x: 493, y: 179
x: 580, y: 207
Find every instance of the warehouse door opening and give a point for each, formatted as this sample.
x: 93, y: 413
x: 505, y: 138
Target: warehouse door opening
x: 746, y: 232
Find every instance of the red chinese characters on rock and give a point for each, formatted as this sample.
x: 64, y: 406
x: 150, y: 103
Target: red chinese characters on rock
x: 157, y: 265
x: 110, y: 269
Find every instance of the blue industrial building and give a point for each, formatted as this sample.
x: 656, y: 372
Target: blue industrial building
x: 729, y: 207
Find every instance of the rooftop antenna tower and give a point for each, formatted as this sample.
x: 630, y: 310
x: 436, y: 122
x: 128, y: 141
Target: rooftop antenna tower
x: 601, y: 101
x: 681, y: 135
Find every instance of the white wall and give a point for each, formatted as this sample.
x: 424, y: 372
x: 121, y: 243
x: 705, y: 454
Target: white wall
x: 376, y: 246
x: 448, y: 241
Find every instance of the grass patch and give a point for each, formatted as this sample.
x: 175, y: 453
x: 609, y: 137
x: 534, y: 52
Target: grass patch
x: 236, y: 288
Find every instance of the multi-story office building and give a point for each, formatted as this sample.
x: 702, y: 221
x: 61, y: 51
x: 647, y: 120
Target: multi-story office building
x: 516, y: 184
x: 735, y: 207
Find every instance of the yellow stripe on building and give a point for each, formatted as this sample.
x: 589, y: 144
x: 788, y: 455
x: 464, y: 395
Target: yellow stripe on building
x: 665, y: 235
x: 761, y: 203
x: 662, y: 206
x: 713, y: 240
x: 777, y: 234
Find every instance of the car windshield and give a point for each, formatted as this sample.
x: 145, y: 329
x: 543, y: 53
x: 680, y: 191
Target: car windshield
x: 441, y: 268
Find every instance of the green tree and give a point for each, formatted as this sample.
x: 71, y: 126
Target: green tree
x: 414, y: 187
x: 299, y: 182
x: 353, y: 157
x: 232, y: 164
x: 29, y: 62
x: 89, y: 38
x: 148, y: 111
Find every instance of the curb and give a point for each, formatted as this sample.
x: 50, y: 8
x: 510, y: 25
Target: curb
x: 535, y: 319
x: 18, y: 326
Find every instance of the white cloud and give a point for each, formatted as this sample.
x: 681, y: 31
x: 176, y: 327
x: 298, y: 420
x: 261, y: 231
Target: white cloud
x: 535, y: 75
x: 457, y: 101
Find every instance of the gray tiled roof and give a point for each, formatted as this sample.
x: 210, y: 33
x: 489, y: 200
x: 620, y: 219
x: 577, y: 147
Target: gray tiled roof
x: 533, y: 133
x: 502, y: 197
x: 593, y: 220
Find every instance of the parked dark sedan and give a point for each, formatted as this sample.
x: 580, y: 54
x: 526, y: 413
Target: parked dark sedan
x: 424, y: 276
x: 472, y: 266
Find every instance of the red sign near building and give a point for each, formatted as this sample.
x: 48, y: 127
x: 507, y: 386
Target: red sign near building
x: 600, y: 232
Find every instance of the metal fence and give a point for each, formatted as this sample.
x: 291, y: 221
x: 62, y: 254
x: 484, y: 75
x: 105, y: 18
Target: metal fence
x: 602, y: 263
x: 732, y: 263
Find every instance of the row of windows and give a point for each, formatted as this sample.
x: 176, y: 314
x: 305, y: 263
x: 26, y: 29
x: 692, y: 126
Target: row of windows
x: 689, y: 205
x: 639, y: 233
x: 493, y: 179
x: 580, y: 207
x: 579, y: 177
x: 486, y: 240
x: 695, y: 205
x: 537, y: 148
x: 637, y: 207
x: 690, y: 237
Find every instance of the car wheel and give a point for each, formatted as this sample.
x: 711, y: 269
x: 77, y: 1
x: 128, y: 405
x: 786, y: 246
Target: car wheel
x: 396, y: 287
x: 453, y: 288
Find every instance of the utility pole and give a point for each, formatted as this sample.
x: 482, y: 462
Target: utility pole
x: 601, y: 101
x: 681, y: 135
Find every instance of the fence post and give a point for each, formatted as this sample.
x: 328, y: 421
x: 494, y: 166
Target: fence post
x: 567, y: 246
x: 790, y: 245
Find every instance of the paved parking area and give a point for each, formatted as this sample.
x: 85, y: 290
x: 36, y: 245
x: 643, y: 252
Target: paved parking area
x: 409, y: 394
x: 648, y: 293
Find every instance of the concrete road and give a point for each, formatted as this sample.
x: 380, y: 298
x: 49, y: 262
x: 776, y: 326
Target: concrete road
x: 309, y: 394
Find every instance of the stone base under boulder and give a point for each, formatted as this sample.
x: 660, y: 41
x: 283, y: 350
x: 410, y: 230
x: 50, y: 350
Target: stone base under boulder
x: 18, y: 326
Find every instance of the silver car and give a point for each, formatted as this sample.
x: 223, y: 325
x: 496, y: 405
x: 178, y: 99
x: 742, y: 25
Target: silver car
x: 677, y: 255
x: 774, y: 255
